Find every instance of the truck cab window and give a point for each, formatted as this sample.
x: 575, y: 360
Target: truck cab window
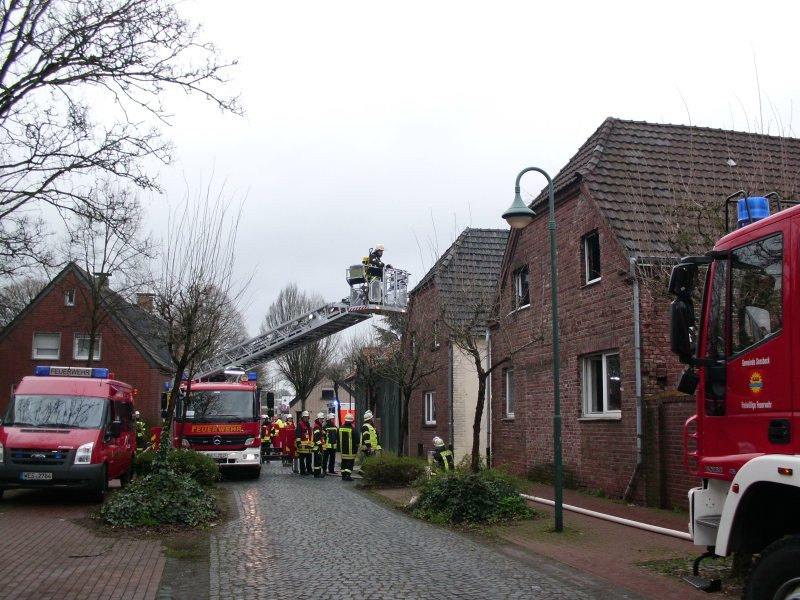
x: 756, y: 292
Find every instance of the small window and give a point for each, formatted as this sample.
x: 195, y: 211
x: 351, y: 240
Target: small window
x: 508, y: 377
x: 430, y: 408
x: 591, y: 257
x: 81, y: 349
x: 327, y: 395
x: 436, y: 343
x: 69, y: 298
x: 602, y: 385
x: 521, y: 291
x: 46, y: 345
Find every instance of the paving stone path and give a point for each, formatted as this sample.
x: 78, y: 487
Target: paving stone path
x: 300, y: 537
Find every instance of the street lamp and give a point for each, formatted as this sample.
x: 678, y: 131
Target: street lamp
x: 519, y: 216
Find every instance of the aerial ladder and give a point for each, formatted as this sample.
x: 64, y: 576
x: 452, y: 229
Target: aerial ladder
x: 372, y: 291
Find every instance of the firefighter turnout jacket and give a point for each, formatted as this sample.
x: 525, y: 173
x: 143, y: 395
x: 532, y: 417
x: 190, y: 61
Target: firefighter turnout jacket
x: 318, y: 437
x: 331, y: 435
x: 369, y: 438
x: 304, y: 438
x: 348, y: 440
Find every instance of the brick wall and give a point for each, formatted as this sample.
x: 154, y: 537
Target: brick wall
x: 598, y: 454
x: 51, y: 315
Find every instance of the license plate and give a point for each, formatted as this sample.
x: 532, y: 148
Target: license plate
x: 35, y: 476
x: 218, y: 454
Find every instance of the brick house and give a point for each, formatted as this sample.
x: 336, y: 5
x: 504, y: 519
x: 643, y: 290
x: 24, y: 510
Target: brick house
x: 52, y: 329
x: 457, y: 291
x: 633, y: 198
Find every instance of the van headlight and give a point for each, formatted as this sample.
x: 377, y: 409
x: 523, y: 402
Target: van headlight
x: 250, y: 441
x: 84, y: 454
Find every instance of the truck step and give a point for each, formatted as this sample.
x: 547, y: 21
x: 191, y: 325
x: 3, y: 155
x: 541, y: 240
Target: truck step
x: 711, y: 521
x: 703, y: 583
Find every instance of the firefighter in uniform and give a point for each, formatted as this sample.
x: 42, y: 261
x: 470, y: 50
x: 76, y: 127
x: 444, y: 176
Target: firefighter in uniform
x: 141, y: 430
x: 289, y: 449
x: 374, y: 263
x: 369, y: 436
x: 331, y: 443
x: 319, y: 437
x: 442, y: 458
x: 303, y: 441
x: 348, y: 446
x: 266, y: 438
x: 276, y: 430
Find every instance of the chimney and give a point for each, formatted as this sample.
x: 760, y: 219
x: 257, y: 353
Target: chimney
x: 145, y: 302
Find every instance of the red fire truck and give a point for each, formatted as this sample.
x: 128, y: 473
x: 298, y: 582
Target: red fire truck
x: 222, y: 420
x: 741, y: 358
x: 68, y: 427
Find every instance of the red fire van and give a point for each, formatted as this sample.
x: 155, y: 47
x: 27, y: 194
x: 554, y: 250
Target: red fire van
x: 68, y: 427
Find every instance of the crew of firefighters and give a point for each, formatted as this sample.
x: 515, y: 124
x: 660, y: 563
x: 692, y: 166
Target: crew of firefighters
x: 310, y: 448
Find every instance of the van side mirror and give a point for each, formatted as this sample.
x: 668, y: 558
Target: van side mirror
x: 682, y: 280
x: 115, y: 429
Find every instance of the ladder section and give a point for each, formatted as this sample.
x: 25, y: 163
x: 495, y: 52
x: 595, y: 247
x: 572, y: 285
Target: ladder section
x: 310, y: 327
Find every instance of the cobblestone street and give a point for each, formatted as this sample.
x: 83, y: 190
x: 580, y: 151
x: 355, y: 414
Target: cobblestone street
x: 299, y: 537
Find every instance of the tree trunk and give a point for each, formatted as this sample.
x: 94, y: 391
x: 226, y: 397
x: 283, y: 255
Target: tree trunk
x: 475, y: 464
x: 404, y: 422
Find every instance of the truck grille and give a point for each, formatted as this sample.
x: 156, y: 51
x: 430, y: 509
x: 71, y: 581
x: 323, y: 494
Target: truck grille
x: 27, y: 456
x: 206, y: 442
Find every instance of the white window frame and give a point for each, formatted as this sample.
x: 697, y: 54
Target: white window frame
x: 429, y: 407
x: 518, y: 300
x: 69, y: 297
x: 594, y: 235
x: 510, y: 387
x: 98, y: 346
x: 588, y: 388
x: 36, y: 355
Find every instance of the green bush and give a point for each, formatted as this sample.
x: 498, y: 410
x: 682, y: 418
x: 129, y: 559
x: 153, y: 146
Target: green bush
x: 461, y: 496
x: 390, y: 470
x: 162, y: 497
x: 198, y: 466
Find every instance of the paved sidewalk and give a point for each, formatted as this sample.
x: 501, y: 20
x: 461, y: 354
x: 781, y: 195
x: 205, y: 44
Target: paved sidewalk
x: 47, y: 556
x: 602, y: 548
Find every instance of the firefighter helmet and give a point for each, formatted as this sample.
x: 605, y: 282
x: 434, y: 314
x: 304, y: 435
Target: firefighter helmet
x: 368, y: 415
x: 348, y: 418
x: 320, y: 415
x: 305, y: 413
x: 136, y: 414
x: 331, y: 416
x: 288, y: 416
x: 438, y: 442
x: 378, y: 247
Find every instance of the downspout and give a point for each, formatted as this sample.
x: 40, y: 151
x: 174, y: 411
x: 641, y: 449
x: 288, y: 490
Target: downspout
x: 450, y: 422
x: 488, y: 393
x: 637, y: 358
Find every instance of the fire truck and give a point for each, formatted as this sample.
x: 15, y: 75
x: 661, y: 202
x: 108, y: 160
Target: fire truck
x: 222, y: 419
x: 740, y: 360
x: 68, y: 428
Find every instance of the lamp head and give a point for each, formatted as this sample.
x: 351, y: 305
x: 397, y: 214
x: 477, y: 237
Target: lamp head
x: 518, y: 214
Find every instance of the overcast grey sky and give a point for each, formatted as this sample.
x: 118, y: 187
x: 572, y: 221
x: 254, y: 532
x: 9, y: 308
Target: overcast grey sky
x: 401, y: 123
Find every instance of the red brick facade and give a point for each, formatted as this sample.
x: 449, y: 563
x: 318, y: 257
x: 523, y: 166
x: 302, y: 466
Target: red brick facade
x: 598, y: 453
x: 49, y: 313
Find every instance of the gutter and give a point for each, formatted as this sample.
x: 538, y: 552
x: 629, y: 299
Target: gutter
x: 637, y: 356
x: 488, y: 393
x: 450, y: 423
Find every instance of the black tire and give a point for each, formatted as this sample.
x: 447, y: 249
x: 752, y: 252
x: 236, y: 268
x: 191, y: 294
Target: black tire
x: 776, y: 574
x: 99, y: 492
x: 127, y: 476
x: 255, y: 473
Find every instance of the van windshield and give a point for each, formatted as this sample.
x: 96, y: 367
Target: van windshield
x: 39, y: 410
x: 219, y: 405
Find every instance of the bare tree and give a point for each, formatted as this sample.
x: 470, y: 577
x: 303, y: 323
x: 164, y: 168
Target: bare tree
x: 81, y: 81
x: 17, y: 295
x: 363, y: 357
x: 195, y: 291
x: 409, y: 361
x: 478, y: 305
x: 304, y: 367
x: 109, y: 243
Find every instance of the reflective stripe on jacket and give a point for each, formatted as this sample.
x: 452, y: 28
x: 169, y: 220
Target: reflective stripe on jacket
x: 304, y: 438
x: 332, y: 435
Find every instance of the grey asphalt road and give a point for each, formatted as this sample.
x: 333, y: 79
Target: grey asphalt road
x: 300, y: 537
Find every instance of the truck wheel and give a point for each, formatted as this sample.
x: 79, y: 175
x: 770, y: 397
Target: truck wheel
x: 255, y: 473
x: 776, y: 575
x: 100, y: 491
x: 127, y: 476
